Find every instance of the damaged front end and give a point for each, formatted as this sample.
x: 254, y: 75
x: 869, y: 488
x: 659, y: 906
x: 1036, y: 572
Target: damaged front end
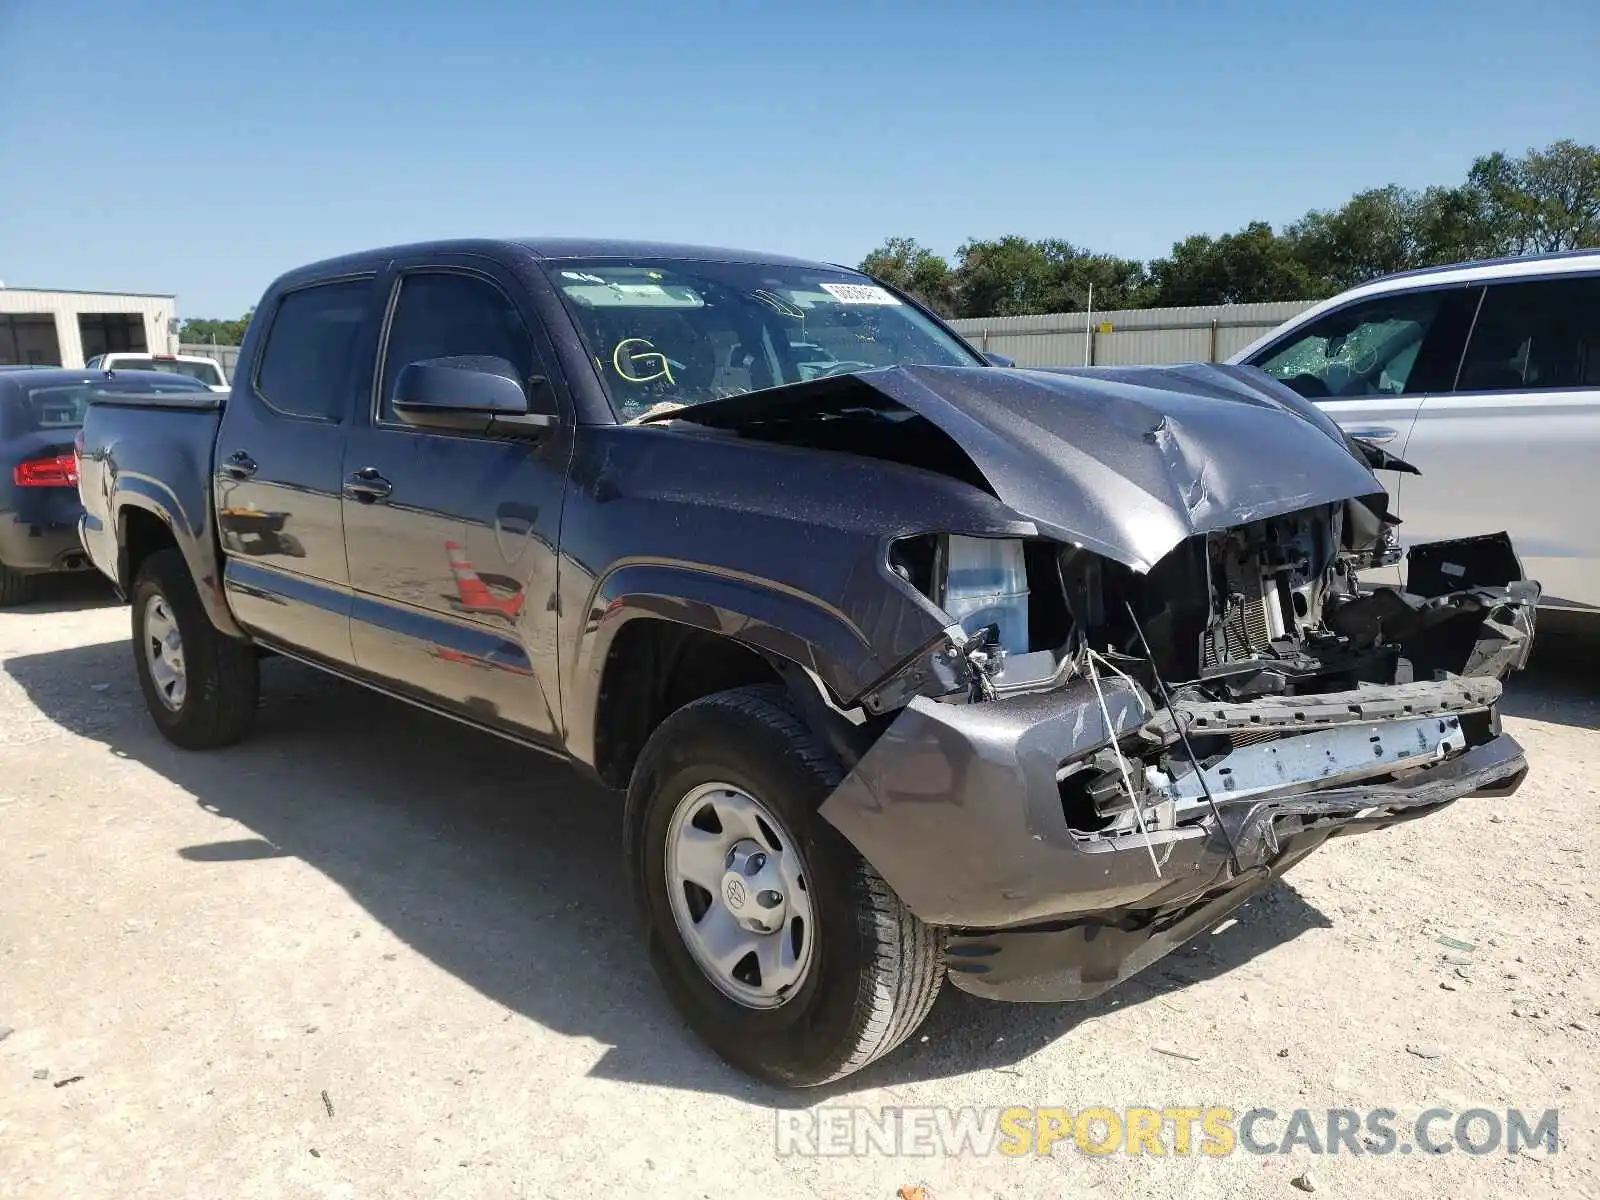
x: 1170, y: 690
x: 1170, y: 741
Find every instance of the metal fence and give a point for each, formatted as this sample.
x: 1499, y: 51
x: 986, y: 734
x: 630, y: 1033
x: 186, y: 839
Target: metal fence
x: 226, y: 355
x: 1128, y: 337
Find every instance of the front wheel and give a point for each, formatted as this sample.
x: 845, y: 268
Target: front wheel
x: 780, y: 944
x: 199, y: 684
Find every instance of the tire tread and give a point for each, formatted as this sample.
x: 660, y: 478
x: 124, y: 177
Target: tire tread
x: 224, y: 672
x: 15, y: 587
x: 905, y: 968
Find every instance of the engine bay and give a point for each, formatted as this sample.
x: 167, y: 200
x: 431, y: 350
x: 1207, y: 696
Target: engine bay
x: 1275, y: 607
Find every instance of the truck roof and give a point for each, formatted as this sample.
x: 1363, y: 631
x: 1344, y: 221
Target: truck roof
x: 547, y: 249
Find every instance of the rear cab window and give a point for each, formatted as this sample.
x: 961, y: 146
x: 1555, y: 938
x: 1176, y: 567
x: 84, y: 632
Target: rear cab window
x: 312, y: 348
x: 1403, y: 344
x: 1535, y: 335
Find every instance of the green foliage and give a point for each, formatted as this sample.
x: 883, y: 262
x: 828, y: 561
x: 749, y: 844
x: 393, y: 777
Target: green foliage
x: 1546, y: 200
x: 1015, y: 275
x: 207, y: 331
x: 910, y: 266
x: 1236, y: 268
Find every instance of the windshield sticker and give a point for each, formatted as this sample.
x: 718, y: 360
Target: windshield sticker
x: 582, y: 278
x: 859, y: 293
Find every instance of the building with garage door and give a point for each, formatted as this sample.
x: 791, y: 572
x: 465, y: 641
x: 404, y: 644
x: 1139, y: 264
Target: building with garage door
x: 63, y: 329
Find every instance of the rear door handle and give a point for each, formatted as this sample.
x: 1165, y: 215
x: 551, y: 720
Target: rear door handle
x: 240, y: 465
x: 367, y: 486
x: 1378, y: 435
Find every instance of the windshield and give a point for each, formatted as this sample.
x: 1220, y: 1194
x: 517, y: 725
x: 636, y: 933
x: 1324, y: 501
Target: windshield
x: 206, y: 372
x: 63, y: 406
x: 674, y: 333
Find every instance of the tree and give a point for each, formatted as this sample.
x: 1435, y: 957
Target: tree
x: 1454, y: 224
x: 910, y: 266
x: 1013, y: 275
x: 1545, y: 201
x: 1247, y: 267
x: 202, y: 331
x: 1374, y: 233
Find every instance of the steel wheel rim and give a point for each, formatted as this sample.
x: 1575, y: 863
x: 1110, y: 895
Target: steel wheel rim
x: 163, y: 653
x: 739, y: 893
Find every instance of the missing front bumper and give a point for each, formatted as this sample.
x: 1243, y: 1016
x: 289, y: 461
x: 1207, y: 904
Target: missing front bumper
x: 958, y: 808
x: 1078, y: 959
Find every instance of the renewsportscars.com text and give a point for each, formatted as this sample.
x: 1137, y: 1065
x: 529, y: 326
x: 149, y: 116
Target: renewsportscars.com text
x: 1175, y: 1131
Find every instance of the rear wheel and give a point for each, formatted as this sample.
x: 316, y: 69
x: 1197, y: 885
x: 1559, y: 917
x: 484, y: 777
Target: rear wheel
x: 780, y: 944
x: 15, y: 587
x: 199, y: 685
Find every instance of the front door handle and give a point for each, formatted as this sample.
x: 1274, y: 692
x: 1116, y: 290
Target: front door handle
x: 367, y: 486
x: 1378, y: 435
x: 240, y: 465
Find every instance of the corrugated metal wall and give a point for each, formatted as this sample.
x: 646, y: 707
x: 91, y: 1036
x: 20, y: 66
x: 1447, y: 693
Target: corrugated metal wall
x: 225, y: 355
x: 158, y: 312
x: 1137, y: 336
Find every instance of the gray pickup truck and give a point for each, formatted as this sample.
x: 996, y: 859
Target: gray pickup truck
x: 912, y: 667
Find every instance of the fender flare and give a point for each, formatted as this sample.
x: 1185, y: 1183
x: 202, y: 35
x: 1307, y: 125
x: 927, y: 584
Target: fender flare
x: 805, y: 638
x: 149, y: 495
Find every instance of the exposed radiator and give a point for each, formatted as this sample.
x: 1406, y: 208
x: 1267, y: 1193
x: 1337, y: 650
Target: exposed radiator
x: 1245, y: 626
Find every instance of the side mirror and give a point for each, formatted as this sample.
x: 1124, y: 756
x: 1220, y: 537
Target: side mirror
x: 469, y: 393
x: 999, y: 360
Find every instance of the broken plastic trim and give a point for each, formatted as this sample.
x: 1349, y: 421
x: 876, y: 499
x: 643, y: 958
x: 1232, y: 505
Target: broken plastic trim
x: 942, y: 669
x: 976, y: 785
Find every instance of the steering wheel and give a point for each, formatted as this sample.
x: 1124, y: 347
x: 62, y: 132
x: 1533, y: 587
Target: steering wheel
x: 843, y: 366
x: 1312, y: 387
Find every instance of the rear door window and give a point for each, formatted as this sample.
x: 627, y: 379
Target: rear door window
x: 313, y: 347
x: 1387, y: 346
x: 1534, y: 336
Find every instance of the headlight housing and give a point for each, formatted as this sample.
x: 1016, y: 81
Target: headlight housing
x: 980, y: 582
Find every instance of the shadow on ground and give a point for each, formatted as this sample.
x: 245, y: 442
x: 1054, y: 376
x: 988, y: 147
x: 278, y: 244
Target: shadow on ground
x: 504, y: 868
x: 77, y: 591
x: 1562, y: 681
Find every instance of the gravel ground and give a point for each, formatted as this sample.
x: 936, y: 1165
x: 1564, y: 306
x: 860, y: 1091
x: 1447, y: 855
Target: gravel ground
x: 370, y: 953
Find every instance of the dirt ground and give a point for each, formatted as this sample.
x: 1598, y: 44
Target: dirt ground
x: 369, y: 953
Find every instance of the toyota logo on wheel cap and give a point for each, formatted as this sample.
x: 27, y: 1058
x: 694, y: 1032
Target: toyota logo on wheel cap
x: 734, y: 891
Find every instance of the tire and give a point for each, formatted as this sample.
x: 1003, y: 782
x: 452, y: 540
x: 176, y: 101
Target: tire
x: 15, y: 587
x: 220, y: 676
x: 874, y: 968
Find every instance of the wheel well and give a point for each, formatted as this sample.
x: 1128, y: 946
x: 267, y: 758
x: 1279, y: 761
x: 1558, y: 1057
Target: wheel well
x: 654, y: 668
x: 142, y: 534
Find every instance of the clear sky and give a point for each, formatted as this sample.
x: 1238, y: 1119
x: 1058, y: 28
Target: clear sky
x: 203, y: 147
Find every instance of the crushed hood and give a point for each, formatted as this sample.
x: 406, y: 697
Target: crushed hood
x: 1126, y: 462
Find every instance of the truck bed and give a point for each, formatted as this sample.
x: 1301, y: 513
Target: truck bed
x: 152, y: 455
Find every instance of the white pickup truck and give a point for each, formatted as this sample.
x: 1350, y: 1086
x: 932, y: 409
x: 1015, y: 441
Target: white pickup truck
x: 197, y: 366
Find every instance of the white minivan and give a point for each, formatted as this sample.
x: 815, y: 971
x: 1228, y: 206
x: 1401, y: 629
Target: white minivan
x: 1485, y: 377
x: 196, y: 366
